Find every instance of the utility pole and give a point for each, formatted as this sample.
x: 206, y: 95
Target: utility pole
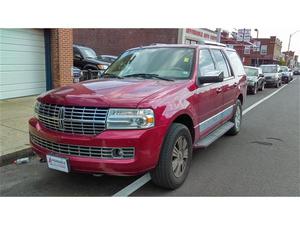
x: 218, y: 34
x: 291, y: 38
x: 288, y: 51
x: 257, y: 60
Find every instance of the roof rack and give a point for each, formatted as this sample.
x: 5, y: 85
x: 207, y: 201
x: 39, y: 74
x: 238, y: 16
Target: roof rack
x: 202, y: 42
x: 158, y: 44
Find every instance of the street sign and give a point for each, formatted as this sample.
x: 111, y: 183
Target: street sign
x: 243, y: 35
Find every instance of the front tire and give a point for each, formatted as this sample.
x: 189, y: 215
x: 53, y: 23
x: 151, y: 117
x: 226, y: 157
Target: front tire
x: 262, y: 87
x: 236, y: 119
x: 254, y: 91
x: 175, y: 158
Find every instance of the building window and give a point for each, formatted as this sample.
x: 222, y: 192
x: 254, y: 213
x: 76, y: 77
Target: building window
x: 264, y: 49
x: 189, y: 41
x: 247, y: 50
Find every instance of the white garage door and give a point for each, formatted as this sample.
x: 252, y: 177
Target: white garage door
x: 22, y: 62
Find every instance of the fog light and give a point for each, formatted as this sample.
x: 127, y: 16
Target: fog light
x: 117, y: 153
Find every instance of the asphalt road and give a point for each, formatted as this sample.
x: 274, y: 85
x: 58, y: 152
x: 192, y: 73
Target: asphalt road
x: 262, y: 160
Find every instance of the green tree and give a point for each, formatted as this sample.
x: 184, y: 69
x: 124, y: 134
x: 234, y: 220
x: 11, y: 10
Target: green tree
x: 282, y: 62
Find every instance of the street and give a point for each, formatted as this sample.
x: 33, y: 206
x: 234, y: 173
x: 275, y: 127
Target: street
x: 262, y: 160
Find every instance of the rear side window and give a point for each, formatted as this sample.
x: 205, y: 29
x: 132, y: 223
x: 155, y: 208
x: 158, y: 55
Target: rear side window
x: 206, y: 63
x: 236, y: 63
x: 220, y: 62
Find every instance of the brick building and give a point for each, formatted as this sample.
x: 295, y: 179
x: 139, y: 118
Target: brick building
x: 268, y: 50
x: 35, y: 60
x: 115, y: 41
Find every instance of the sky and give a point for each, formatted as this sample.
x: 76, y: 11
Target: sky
x: 283, y: 34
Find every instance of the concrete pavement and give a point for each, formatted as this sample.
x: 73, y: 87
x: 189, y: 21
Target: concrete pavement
x: 14, y: 115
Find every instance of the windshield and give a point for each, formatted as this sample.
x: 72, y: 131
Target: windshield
x: 269, y: 69
x: 172, y: 63
x: 251, y: 72
x: 88, y: 53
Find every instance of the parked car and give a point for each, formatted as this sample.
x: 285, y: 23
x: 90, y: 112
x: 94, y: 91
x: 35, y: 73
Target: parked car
x: 286, y: 74
x: 77, y: 74
x: 156, y: 104
x: 255, y: 79
x: 296, y: 71
x: 107, y: 58
x: 86, y: 60
x: 272, y: 74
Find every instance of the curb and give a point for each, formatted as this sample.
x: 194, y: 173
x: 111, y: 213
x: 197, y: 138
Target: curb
x: 11, y: 157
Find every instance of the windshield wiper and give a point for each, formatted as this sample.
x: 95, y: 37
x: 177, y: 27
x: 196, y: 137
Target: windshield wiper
x: 148, y: 75
x: 111, y: 75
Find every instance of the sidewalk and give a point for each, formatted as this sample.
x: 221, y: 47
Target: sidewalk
x: 14, y: 115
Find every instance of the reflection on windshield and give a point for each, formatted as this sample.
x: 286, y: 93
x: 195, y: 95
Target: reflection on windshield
x: 251, y: 72
x: 166, y: 62
x: 269, y: 69
x: 89, y: 53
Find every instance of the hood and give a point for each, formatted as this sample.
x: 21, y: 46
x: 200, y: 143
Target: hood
x: 108, y: 92
x: 96, y: 61
x: 285, y: 73
x: 251, y: 78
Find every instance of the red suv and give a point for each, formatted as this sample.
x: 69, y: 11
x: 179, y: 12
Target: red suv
x: 152, y: 106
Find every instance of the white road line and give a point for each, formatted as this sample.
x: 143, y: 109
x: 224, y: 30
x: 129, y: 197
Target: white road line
x: 264, y: 99
x: 137, y: 184
x: 128, y: 190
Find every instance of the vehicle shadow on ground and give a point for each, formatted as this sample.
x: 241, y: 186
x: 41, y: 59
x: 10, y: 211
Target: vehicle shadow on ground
x: 35, y: 179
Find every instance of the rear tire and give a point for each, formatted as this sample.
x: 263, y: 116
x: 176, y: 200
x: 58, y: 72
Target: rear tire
x: 175, y: 158
x: 236, y: 119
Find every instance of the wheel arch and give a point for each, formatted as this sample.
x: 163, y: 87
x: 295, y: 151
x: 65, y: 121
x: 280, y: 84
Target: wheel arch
x: 186, y: 120
x: 241, y: 98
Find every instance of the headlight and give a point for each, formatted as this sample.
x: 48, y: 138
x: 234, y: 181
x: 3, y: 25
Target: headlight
x: 130, y: 119
x: 36, y: 108
x: 102, y: 67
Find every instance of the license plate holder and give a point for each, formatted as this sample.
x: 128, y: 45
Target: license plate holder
x: 58, y: 163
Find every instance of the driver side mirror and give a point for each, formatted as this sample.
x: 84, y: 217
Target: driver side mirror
x: 261, y: 75
x: 211, y: 77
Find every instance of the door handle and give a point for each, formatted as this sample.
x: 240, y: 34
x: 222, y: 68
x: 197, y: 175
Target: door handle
x: 219, y: 90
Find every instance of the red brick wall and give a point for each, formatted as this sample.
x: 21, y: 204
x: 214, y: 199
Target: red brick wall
x: 61, y: 56
x: 270, y: 57
x: 115, y: 41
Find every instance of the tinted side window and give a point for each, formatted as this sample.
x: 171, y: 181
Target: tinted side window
x: 220, y: 62
x: 236, y: 63
x: 206, y: 63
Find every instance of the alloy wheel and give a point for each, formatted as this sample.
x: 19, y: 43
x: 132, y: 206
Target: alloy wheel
x: 237, y: 119
x: 180, y: 156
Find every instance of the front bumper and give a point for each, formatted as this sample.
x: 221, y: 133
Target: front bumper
x: 271, y: 81
x: 250, y: 87
x: 147, y: 144
x: 285, y: 79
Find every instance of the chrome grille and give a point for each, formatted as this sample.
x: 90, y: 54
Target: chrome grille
x: 84, y: 151
x: 72, y: 119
